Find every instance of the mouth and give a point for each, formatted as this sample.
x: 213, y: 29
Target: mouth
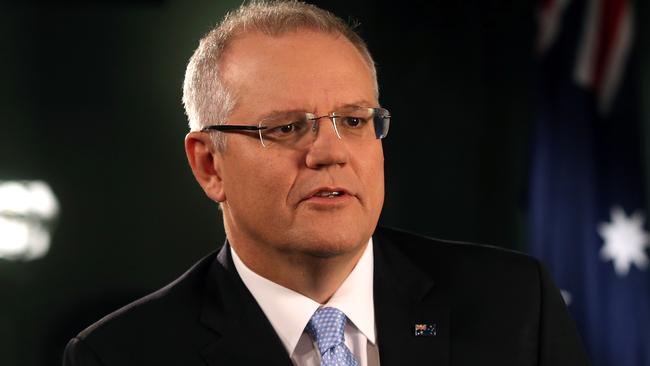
x: 328, y: 193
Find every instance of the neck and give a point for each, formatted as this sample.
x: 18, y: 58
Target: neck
x: 316, y: 277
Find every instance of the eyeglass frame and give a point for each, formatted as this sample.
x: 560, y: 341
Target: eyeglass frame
x: 331, y: 116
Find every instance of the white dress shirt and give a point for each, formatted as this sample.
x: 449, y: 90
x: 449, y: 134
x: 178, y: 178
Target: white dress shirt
x: 289, y: 312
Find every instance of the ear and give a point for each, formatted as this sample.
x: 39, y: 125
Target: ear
x: 205, y: 162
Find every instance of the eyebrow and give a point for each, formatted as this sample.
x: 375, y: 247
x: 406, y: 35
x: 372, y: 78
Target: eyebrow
x: 357, y: 104
x: 279, y: 113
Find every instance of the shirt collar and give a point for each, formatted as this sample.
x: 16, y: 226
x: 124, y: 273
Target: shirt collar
x: 289, y: 311
x: 355, y: 295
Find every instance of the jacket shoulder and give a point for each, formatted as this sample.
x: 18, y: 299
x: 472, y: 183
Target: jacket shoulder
x: 461, y: 264
x: 416, y: 246
x: 162, y: 318
x: 503, y: 303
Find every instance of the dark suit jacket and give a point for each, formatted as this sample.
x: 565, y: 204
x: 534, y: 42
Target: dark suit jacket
x: 489, y: 306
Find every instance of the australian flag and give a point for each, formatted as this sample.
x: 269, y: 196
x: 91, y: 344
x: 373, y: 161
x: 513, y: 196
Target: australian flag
x: 587, y: 214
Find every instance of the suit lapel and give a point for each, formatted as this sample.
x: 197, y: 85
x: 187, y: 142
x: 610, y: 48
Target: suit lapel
x: 244, y: 335
x: 406, y: 296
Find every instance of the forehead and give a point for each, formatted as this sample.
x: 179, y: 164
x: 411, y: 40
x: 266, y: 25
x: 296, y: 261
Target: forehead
x: 299, y: 69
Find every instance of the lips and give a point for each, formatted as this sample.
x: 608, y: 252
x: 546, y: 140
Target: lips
x: 327, y: 192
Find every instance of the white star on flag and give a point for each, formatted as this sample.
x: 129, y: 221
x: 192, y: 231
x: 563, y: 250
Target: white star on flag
x: 566, y: 296
x: 625, y: 241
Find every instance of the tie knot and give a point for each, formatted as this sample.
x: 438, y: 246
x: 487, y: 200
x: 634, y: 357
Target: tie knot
x: 326, y: 326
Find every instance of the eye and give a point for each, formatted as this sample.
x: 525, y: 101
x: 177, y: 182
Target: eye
x: 353, y: 122
x: 286, y: 129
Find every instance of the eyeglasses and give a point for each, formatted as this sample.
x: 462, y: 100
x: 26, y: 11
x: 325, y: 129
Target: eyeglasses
x: 290, y: 129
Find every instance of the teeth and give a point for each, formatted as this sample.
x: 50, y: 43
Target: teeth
x: 328, y: 194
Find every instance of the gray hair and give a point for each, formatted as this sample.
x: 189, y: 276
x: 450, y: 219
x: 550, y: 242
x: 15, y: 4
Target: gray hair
x: 206, y: 97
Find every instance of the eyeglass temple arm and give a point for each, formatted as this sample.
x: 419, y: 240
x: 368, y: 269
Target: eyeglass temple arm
x: 233, y: 128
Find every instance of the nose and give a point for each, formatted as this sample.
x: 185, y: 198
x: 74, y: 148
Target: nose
x: 327, y: 147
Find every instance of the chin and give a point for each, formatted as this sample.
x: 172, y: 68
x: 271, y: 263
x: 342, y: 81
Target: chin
x: 332, y: 244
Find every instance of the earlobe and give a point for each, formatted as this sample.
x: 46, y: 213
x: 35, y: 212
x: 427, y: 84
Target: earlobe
x: 204, y: 159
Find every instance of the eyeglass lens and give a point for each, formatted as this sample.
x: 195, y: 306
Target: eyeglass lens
x: 292, y: 130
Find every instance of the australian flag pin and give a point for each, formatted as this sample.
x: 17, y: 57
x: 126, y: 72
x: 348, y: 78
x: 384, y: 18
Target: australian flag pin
x: 426, y: 330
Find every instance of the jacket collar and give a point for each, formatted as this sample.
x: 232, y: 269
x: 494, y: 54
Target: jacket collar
x: 244, y: 335
x: 405, y: 296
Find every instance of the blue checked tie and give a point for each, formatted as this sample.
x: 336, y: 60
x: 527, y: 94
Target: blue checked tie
x: 326, y: 326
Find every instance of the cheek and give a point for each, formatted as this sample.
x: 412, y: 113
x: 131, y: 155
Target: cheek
x: 372, y: 175
x: 378, y: 182
x: 258, y: 180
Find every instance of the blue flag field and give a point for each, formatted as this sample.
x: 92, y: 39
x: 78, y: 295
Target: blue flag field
x: 587, y: 209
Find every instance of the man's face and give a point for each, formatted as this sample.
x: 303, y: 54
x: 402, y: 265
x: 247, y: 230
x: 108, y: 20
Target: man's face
x: 271, y: 193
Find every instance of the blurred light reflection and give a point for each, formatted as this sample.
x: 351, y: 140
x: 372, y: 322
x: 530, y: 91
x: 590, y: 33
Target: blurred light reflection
x: 27, y: 211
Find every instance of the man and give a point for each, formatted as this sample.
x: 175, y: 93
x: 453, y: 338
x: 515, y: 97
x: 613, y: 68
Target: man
x: 286, y: 135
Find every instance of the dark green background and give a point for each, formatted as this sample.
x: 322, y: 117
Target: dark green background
x: 90, y: 102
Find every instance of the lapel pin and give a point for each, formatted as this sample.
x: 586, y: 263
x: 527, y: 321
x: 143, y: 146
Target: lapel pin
x: 426, y: 330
